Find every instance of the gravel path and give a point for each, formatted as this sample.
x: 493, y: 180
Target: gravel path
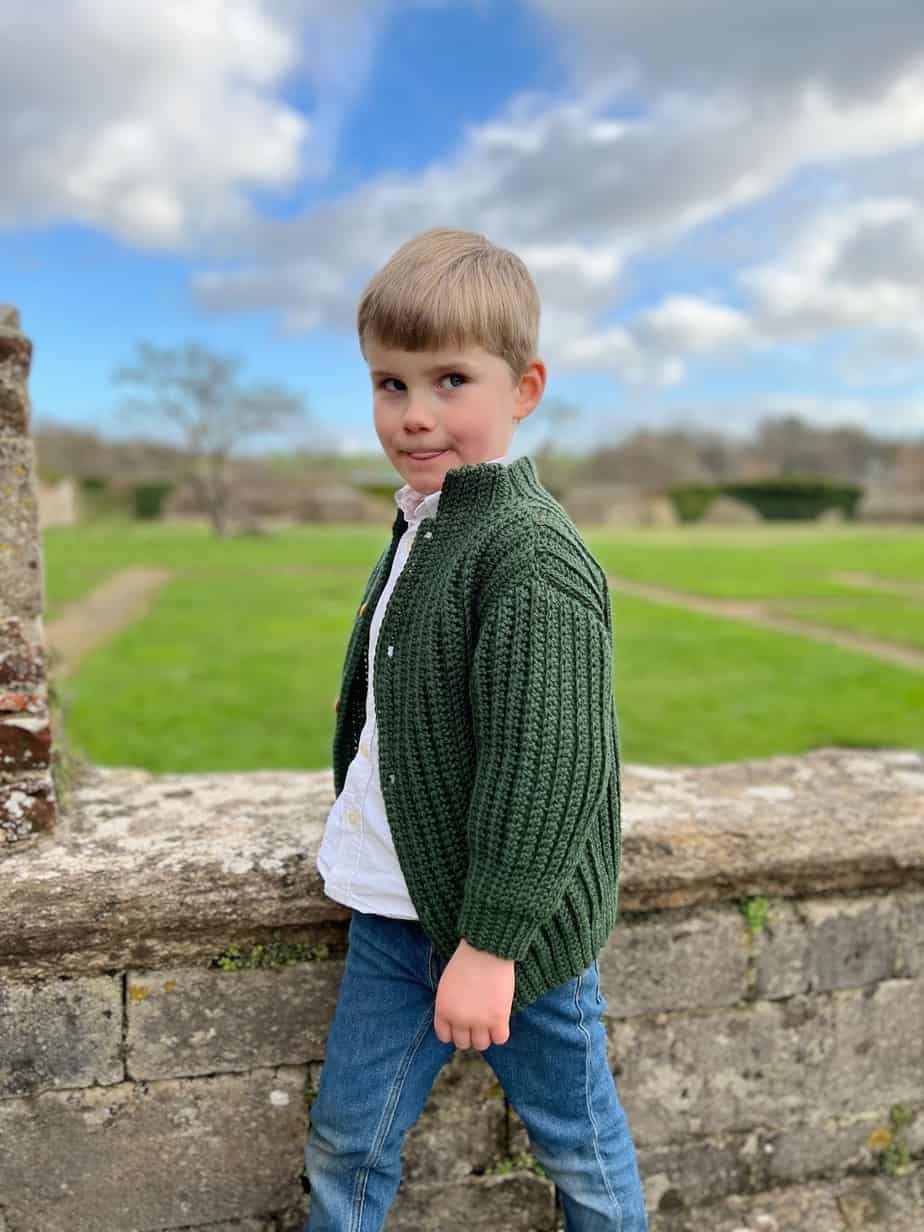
x: 89, y: 622
x: 869, y: 581
x: 761, y: 613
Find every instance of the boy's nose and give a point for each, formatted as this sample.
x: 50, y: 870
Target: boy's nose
x: 417, y: 412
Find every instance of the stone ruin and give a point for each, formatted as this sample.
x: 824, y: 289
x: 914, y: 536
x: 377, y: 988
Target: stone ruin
x: 27, y: 797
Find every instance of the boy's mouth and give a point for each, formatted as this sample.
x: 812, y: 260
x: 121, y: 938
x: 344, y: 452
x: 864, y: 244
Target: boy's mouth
x: 425, y: 456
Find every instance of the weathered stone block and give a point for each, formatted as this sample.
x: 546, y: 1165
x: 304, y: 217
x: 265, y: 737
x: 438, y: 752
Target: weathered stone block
x: 515, y: 1202
x: 852, y: 942
x: 823, y: 944
x: 25, y: 743
x: 687, y: 1173
x: 832, y: 1146
x: 23, y: 661
x: 771, y: 1063
x: 143, y: 1156
x: 184, y: 1021
x: 780, y: 952
x: 15, y: 360
x: 27, y: 807
x: 59, y: 1033
x: 784, y: 826
x: 855, y: 1204
x: 911, y: 935
x: 677, y: 960
x: 684, y: 1174
x: 462, y: 1127
x: 21, y: 593
x: 22, y: 703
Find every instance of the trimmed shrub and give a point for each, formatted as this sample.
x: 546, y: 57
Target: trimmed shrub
x: 691, y: 500
x: 802, y: 498
x: 780, y: 497
x: 148, y: 498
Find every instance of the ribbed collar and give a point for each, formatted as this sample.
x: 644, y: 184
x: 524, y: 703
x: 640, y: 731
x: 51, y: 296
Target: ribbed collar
x: 472, y: 489
x: 416, y: 505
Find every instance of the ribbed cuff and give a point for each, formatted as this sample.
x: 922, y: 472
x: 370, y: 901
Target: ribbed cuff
x: 492, y: 924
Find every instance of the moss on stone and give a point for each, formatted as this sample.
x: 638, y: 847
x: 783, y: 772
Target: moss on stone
x: 274, y: 953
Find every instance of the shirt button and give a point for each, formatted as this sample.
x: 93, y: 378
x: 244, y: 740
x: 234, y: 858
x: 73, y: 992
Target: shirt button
x: 353, y: 816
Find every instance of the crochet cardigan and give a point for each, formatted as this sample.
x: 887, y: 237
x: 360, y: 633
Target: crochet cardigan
x: 498, y: 739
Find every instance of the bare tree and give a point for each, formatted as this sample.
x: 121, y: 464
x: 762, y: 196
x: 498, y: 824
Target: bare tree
x: 650, y: 459
x: 198, y: 393
x: 793, y: 446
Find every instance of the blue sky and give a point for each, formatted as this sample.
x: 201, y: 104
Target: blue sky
x: 724, y: 217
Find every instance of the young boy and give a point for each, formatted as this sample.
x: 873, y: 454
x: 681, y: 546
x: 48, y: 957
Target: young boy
x: 475, y: 831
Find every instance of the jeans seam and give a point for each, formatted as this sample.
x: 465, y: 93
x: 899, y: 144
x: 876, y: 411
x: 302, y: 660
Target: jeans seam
x: 388, y: 1116
x: 587, y: 1100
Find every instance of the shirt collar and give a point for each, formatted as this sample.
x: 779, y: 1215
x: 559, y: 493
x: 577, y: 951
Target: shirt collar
x: 415, y: 505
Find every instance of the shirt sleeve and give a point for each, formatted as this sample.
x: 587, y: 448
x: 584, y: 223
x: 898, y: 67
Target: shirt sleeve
x: 542, y: 709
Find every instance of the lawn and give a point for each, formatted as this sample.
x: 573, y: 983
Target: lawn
x: 237, y: 664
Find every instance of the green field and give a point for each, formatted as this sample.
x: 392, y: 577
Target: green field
x: 237, y: 664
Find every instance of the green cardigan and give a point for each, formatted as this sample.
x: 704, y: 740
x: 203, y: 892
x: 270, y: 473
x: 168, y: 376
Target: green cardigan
x: 498, y: 739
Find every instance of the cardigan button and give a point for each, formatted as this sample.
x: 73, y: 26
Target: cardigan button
x: 391, y: 651
x: 428, y: 534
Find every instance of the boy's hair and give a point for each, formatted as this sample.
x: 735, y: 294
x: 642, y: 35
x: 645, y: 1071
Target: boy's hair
x: 453, y: 288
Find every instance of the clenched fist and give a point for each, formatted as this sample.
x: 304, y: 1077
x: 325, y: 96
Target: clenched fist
x: 473, y: 999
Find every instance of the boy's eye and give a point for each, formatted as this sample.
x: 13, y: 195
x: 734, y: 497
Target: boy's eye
x: 455, y: 379
x: 395, y: 381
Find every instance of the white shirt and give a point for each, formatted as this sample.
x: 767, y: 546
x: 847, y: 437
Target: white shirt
x: 357, y: 858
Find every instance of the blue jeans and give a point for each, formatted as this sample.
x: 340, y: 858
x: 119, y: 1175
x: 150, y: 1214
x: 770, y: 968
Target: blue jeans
x: 383, y: 1056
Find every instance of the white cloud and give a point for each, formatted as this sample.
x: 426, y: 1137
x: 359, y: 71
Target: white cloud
x: 741, y: 48
x: 152, y: 121
x: 689, y: 325
x: 857, y: 268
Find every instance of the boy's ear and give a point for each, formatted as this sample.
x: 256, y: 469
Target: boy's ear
x: 531, y: 385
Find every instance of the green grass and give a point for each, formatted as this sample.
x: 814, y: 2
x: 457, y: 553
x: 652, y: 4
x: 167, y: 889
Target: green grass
x: 760, y: 562
x: 794, y: 563
x: 238, y: 662
x: 894, y: 619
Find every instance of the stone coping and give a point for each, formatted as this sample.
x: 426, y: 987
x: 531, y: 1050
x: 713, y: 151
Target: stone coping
x: 151, y: 869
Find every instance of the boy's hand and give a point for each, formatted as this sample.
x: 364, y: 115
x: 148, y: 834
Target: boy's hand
x: 473, y: 999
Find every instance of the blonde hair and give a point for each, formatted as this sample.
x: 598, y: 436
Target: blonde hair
x: 453, y: 288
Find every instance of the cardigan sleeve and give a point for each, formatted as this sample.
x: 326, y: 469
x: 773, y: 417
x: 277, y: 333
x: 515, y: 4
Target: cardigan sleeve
x: 542, y: 712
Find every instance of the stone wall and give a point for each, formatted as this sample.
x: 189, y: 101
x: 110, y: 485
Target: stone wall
x: 27, y: 801
x: 169, y: 966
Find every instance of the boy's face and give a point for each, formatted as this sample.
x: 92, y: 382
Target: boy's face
x: 457, y: 405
